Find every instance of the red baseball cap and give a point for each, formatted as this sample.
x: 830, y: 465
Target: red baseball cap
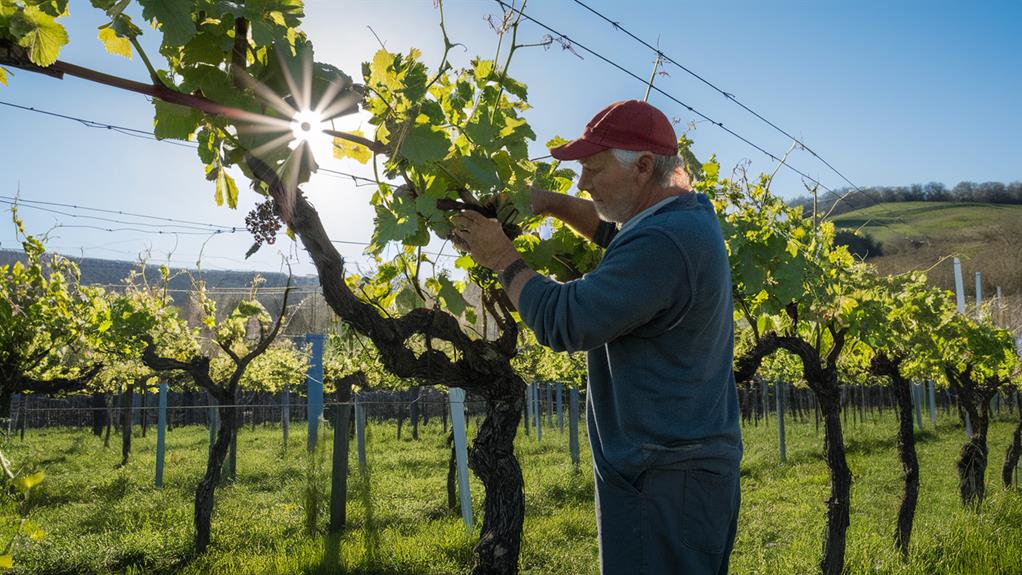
x: 627, y: 125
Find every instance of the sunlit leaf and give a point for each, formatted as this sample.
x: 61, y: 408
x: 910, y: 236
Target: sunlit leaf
x: 115, y: 44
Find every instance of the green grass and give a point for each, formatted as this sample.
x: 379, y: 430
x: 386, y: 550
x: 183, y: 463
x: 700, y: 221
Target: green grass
x: 890, y: 222
x: 101, y: 519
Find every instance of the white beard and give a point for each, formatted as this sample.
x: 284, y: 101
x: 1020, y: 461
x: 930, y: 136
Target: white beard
x: 601, y: 210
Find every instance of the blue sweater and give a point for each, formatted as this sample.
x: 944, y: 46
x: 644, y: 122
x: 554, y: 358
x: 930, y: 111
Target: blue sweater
x: 656, y: 320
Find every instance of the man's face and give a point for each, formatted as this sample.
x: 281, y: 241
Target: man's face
x: 614, y: 188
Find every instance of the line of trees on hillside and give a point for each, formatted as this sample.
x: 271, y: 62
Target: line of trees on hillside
x: 986, y: 192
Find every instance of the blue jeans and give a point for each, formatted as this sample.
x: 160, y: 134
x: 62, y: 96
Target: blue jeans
x: 680, y: 518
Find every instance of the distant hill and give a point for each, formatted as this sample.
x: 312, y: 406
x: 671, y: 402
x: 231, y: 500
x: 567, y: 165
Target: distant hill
x: 846, y: 200
x: 920, y: 235
x: 113, y: 272
x: 906, y: 222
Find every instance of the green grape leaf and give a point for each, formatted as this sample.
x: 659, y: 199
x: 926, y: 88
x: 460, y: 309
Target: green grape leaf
x: 788, y: 280
x: 206, y: 48
x: 115, y: 44
x: 407, y: 300
x: 348, y: 149
x: 174, y: 18
x: 750, y: 271
x: 122, y: 24
x: 40, y: 33
x: 414, y: 82
x: 420, y: 237
x: 451, y: 296
x: 104, y: 325
x: 482, y: 171
x: 556, y: 141
x: 207, y: 142
x: 766, y: 323
x: 174, y: 121
x: 481, y: 131
x: 483, y: 69
x: 391, y: 227
x: 424, y: 144
x: 425, y: 205
x: 515, y: 87
x: 516, y: 127
x: 226, y: 188
x: 379, y: 70
x: 214, y: 84
x: 249, y: 308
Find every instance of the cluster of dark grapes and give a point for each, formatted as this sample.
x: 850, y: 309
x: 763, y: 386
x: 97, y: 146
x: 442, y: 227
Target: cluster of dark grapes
x: 263, y: 222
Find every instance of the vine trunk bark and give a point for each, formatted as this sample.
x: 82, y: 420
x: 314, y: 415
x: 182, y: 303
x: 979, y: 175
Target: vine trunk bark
x: 481, y: 366
x: 885, y: 365
x: 493, y: 460
x: 126, y: 416
x: 823, y: 381
x: 204, y: 493
x: 1014, y: 452
x: 452, y: 475
x: 973, y: 458
x: 6, y: 396
x: 98, y: 405
x: 840, y: 486
x: 909, y: 463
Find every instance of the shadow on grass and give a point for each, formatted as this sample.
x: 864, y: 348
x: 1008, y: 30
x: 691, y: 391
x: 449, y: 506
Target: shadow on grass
x: 333, y: 562
x: 370, y: 527
x: 141, y: 561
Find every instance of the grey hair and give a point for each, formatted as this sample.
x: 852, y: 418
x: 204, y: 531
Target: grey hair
x: 664, y: 167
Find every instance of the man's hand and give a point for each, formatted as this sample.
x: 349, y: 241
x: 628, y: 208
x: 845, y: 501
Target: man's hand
x: 484, y: 239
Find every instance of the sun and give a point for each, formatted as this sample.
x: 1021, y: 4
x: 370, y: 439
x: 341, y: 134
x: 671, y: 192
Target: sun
x: 307, y: 125
x: 302, y: 122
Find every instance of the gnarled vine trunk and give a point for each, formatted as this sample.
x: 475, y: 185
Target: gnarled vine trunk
x: 1014, y: 452
x: 6, y: 396
x: 838, y: 504
x: 974, y: 399
x: 747, y: 364
x: 891, y: 367
x: 823, y: 381
x: 493, y: 460
x: 13, y: 380
x: 127, y: 411
x: 452, y: 471
x: 204, y: 493
x: 98, y: 405
x: 480, y: 366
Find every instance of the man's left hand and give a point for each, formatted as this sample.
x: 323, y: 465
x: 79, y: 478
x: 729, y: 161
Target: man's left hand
x: 484, y: 239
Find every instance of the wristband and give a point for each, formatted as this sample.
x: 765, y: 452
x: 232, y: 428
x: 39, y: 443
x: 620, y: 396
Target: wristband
x: 511, y: 272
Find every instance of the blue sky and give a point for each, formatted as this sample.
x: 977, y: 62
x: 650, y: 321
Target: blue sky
x: 891, y: 93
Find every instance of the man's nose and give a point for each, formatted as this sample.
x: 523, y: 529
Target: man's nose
x: 583, y: 183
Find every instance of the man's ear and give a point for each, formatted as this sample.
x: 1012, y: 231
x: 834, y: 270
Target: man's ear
x: 645, y: 165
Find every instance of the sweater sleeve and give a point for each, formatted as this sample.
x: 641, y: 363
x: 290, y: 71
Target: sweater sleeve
x: 644, y: 274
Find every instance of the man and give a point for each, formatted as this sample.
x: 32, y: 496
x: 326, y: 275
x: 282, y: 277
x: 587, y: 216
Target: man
x: 656, y: 320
